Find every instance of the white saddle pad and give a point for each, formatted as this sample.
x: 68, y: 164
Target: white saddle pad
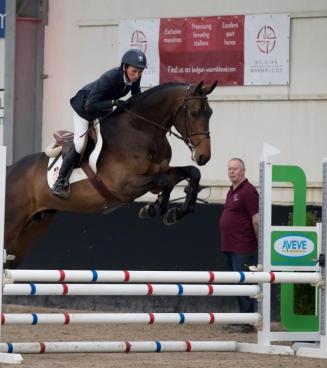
x: 77, y: 174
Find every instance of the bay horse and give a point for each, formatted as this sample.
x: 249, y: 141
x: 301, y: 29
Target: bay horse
x: 134, y: 159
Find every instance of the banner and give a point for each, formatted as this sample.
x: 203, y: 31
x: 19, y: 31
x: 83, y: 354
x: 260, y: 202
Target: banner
x: 208, y: 49
x: 142, y: 34
x: 266, y: 50
x: 235, y: 50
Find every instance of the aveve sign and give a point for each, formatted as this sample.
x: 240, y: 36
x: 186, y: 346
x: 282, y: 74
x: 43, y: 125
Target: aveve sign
x: 293, y: 246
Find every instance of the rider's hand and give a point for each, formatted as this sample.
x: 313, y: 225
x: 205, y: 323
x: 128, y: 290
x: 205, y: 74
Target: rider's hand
x: 121, y: 104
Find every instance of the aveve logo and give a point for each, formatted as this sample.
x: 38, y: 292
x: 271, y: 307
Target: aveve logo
x: 294, y: 246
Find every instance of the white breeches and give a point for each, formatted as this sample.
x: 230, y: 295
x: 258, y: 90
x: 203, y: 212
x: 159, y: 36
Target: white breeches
x: 80, y: 127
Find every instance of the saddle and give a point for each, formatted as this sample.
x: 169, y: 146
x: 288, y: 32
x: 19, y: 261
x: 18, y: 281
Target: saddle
x: 65, y: 140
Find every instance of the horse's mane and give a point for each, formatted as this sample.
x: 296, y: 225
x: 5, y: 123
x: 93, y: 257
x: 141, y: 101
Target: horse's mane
x: 138, y: 101
x: 154, y: 90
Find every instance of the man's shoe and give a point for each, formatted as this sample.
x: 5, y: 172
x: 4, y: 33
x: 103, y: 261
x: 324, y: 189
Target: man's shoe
x: 244, y: 328
x: 247, y: 328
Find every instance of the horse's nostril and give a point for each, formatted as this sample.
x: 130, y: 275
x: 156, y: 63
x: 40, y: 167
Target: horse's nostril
x: 201, y: 160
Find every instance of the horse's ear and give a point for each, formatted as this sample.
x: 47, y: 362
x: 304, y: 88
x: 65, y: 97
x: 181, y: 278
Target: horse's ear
x: 208, y: 89
x: 198, y: 88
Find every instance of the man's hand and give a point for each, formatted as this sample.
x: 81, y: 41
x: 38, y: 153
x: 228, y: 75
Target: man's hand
x: 255, y: 223
x: 121, y: 104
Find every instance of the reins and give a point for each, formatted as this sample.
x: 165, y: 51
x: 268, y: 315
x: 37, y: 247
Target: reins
x: 187, y: 138
x: 167, y: 130
x: 132, y: 113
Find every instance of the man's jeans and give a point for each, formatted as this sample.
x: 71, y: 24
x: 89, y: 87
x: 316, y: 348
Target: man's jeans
x: 241, y: 262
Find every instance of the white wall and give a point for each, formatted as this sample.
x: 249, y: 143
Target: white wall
x: 81, y: 43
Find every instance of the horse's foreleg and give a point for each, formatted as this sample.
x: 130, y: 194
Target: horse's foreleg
x: 175, y: 214
x: 159, y: 207
x: 166, y: 183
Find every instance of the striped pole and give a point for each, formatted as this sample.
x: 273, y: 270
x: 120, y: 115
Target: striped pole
x: 132, y: 289
x: 117, y: 347
x: 144, y: 318
x: 210, y: 277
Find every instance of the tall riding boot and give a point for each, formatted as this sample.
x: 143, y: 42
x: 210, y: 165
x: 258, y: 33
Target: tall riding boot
x: 61, y: 186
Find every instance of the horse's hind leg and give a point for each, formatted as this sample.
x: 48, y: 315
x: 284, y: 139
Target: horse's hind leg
x: 14, y: 223
x: 27, y: 235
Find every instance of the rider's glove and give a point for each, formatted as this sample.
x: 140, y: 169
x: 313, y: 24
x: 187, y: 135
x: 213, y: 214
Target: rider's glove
x: 121, y: 104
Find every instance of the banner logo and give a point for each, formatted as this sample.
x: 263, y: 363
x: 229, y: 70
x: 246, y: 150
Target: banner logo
x: 139, y: 41
x: 294, y: 246
x: 266, y: 39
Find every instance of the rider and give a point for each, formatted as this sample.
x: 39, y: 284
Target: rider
x: 95, y: 100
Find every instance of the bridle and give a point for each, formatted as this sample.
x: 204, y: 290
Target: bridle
x: 187, y: 139
x: 183, y: 106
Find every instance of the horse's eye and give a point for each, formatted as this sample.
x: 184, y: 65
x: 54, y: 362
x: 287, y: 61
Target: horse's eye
x: 194, y: 114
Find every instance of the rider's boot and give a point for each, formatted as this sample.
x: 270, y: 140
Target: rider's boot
x: 61, y: 186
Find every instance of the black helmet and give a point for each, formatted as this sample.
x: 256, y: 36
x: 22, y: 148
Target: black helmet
x: 134, y: 57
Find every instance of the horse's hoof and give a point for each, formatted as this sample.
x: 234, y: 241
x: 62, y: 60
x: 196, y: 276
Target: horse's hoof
x: 172, y: 216
x: 147, y: 211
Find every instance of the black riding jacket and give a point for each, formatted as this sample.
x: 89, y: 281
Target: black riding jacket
x: 95, y: 99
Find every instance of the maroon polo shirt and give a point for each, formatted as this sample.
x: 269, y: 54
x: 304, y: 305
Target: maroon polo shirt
x: 236, y: 229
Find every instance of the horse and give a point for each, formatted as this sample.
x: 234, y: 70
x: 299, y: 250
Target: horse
x: 134, y: 160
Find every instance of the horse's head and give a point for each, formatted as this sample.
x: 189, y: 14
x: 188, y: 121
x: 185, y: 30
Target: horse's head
x: 192, y: 121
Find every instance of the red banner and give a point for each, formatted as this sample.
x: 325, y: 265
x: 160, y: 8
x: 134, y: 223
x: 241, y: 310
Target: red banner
x: 206, y: 48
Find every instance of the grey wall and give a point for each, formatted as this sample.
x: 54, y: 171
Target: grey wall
x: 25, y: 21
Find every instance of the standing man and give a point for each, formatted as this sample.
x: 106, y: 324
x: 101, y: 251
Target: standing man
x: 239, y: 226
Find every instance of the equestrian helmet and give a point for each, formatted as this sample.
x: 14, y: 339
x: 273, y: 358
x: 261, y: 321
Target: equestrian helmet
x: 134, y: 57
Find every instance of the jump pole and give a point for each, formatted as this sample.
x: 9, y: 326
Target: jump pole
x: 178, y: 277
x: 4, y: 357
x: 132, y: 289
x: 136, y: 318
x: 118, y: 347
